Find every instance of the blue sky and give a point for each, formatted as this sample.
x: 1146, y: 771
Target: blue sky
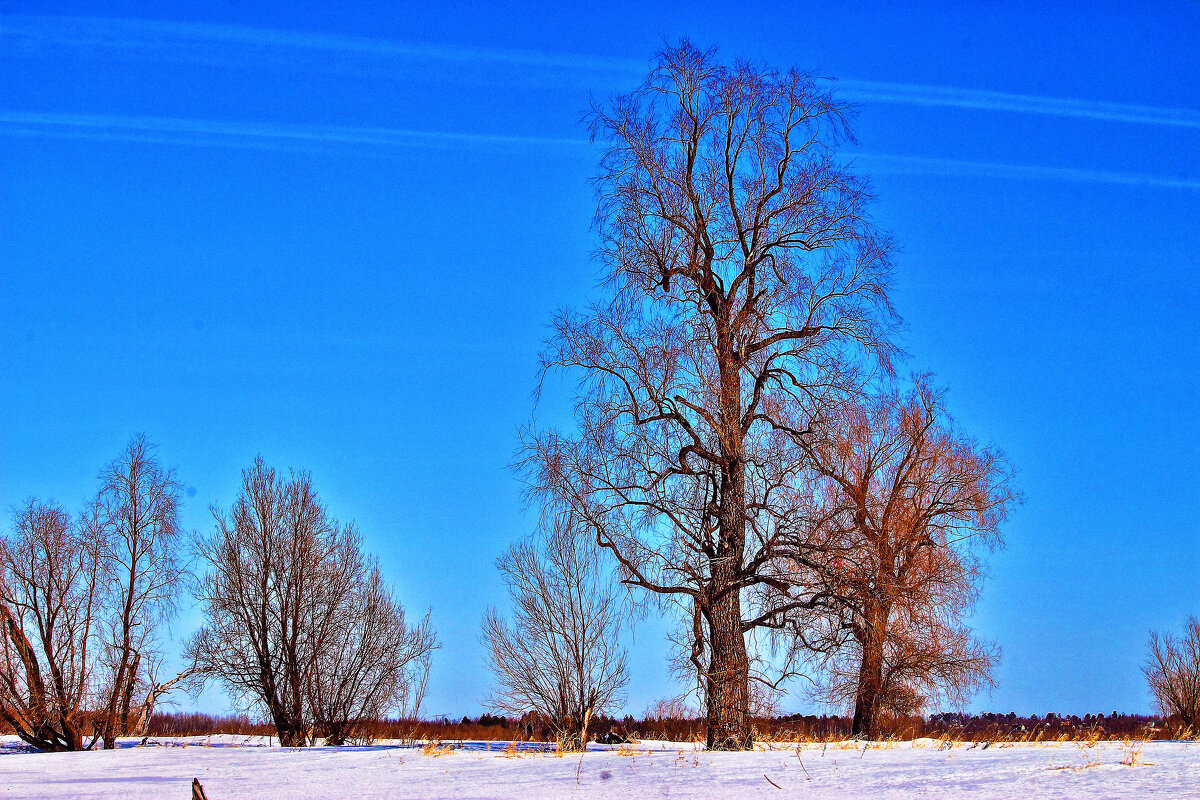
x: 335, y: 235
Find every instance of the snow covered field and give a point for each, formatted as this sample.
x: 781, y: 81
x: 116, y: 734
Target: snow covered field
x: 237, y: 768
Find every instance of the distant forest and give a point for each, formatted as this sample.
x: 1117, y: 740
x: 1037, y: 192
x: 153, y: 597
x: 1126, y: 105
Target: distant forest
x: 981, y: 728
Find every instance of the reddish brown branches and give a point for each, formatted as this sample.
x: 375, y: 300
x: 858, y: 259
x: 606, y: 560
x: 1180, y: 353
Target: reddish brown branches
x: 904, y: 500
x: 83, y: 603
x: 48, y: 611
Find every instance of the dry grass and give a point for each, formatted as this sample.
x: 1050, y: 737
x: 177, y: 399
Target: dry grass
x: 1133, y: 754
x: 512, y: 750
x: 436, y: 749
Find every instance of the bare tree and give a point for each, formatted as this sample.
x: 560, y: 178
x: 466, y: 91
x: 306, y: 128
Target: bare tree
x: 748, y: 281
x: 907, y: 501
x: 135, y: 517
x: 48, y: 577
x: 374, y: 662
x: 155, y: 692
x: 561, y: 655
x: 1173, y: 671
x: 298, y: 621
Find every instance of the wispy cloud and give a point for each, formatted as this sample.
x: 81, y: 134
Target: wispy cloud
x: 199, y: 132
x: 173, y: 130
x: 909, y: 94
x: 28, y: 32
x: 878, y: 163
x: 185, y: 40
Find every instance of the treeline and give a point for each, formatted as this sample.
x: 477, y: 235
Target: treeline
x: 790, y: 727
x: 1050, y: 726
x: 194, y: 723
x: 799, y: 727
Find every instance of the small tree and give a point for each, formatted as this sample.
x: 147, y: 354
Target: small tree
x: 374, y: 662
x: 560, y: 657
x: 135, y: 517
x: 1173, y: 671
x: 48, y: 605
x: 298, y: 621
x: 904, y: 497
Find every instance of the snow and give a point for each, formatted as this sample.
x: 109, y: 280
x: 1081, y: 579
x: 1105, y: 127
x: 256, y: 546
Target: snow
x: 239, y: 768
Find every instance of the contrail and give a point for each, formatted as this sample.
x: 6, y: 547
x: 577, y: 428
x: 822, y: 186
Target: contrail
x: 908, y: 94
x: 30, y: 33
x: 124, y: 34
x: 916, y: 165
x: 173, y: 130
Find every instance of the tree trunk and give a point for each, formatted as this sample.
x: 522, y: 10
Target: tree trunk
x: 870, y: 688
x: 571, y: 730
x: 112, y: 714
x: 290, y: 735
x: 584, y: 721
x: 127, y: 696
x: 289, y: 729
x: 728, y: 680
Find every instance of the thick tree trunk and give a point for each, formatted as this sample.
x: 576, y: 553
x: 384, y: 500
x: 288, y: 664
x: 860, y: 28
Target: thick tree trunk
x: 122, y: 716
x: 46, y: 722
x: 290, y: 735
x: 289, y: 728
x: 582, y: 726
x: 113, y: 721
x: 571, y: 741
x: 571, y: 731
x: 870, y: 689
x: 728, y: 680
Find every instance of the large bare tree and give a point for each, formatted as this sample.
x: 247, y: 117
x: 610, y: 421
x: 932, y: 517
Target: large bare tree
x: 298, y: 621
x: 135, y: 517
x: 904, y: 503
x: 561, y: 655
x: 49, y: 570
x: 747, y: 282
x: 1172, y: 669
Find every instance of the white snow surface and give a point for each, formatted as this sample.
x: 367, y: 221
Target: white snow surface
x: 239, y: 768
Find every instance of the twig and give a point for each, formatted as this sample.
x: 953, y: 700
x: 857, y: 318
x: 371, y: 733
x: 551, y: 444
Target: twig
x: 806, y: 775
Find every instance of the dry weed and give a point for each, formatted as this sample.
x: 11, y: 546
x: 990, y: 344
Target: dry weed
x: 1133, y: 752
x: 436, y: 749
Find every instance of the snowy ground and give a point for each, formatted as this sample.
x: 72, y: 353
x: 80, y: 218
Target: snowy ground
x: 237, y: 768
